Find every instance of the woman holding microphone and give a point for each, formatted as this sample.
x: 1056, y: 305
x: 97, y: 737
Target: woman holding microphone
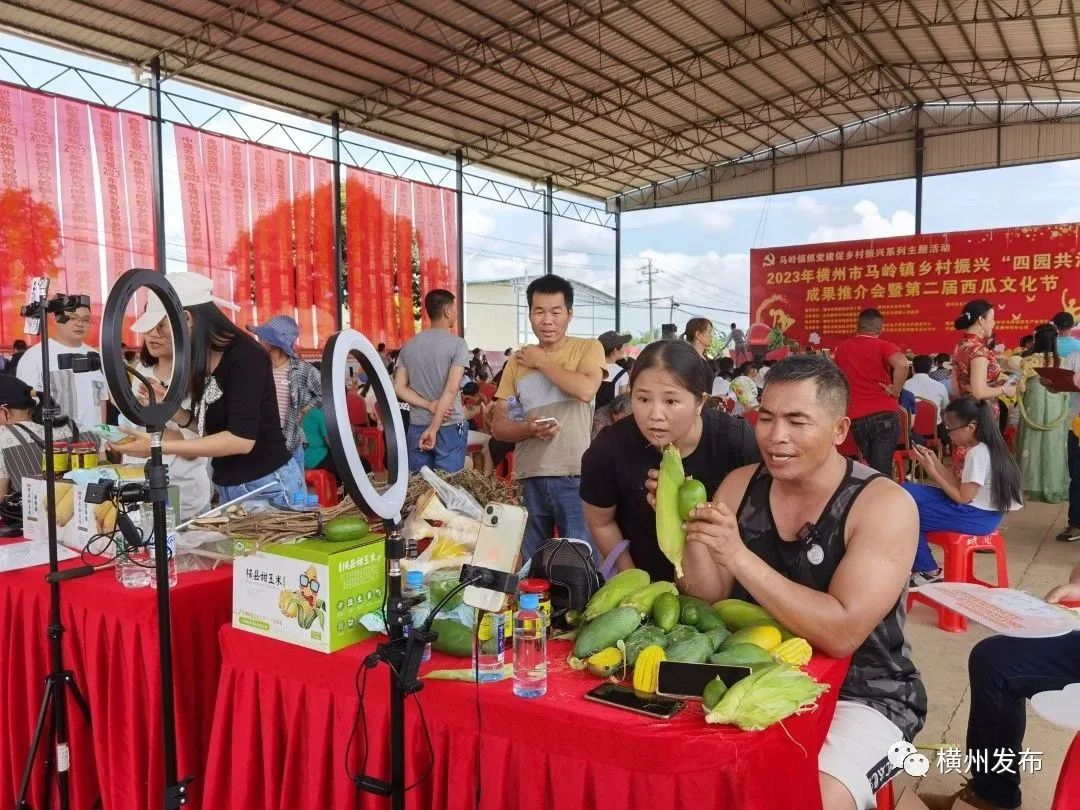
x: 234, y: 401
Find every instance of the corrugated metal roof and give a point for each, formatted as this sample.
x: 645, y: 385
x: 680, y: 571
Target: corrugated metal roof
x: 607, y: 98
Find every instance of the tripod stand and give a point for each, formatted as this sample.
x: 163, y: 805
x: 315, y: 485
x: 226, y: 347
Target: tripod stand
x: 60, y: 682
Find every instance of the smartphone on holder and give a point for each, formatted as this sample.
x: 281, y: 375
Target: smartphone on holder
x: 677, y: 679
x: 498, y: 544
x: 623, y: 697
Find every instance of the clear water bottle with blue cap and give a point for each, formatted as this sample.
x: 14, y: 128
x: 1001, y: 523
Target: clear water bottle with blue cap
x: 516, y: 411
x: 530, y: 647
x: 416, y: 589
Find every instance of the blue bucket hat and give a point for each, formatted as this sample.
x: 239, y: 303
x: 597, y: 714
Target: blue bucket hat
x: 280, y: 331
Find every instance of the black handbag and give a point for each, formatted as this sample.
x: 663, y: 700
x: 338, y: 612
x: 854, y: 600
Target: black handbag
x: 569, y: 568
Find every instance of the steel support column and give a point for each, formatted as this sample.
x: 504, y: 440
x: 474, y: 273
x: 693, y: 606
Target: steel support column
x: 918, y: 179
x: 339, y: 226
x: 459, y: 178
x: 157, y: 172
x: 618, y: 263
x: 549, y: 218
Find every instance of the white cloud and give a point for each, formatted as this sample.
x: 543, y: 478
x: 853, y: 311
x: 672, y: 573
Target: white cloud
x: 477, y: 223
x: 871, y: 223
x: 807, y: 205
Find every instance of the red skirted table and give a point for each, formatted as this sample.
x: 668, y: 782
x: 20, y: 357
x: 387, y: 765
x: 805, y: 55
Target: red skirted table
x: 111, y: 646
x: 284, y: 715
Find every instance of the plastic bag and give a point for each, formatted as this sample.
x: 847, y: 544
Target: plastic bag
x: 454, y: 498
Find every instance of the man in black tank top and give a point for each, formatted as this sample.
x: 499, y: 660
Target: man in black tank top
x: 826, y: 546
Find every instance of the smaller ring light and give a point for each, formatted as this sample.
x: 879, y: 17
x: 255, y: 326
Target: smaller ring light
x: 112, y: 352
x: 387, y: 505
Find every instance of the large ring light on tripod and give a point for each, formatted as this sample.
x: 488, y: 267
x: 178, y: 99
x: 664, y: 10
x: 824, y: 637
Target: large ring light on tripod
x: 335, y: 369
x: 153, y: 417
x: 112, y: 350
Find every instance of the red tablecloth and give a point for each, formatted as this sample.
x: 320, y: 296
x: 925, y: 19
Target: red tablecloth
x: 284, y: 715
x: 111, y: 646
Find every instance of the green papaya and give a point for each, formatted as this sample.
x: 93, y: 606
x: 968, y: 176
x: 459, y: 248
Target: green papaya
x: 346, y: 529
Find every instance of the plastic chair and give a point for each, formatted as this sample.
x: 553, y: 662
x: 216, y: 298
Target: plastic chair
x: 959, y: 567
x: 926, y: 422
x: 371, y: 443
x: 885, y: 797
x: 849, y: 448
x: 903, y: 448
x: 729, y: 404
x: 324, y: 484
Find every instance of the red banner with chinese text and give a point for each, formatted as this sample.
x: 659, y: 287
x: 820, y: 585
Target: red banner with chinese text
x: 284, y: 270
x: 79, y: 222
x: 325, y: 277
x: 239, y: 259
x: 16, y: 221
x: 140, y: 198
x: 403, y: 257
x: 358, y: 205
x: 193, y: 198
x: 812, y: 294
x: 112, y: 182
x: 220, y: 237
x: 264, y: 242
x: 386, y: 278
x: 450, y: 241
x: 303, y: 207
x: 373, y: 249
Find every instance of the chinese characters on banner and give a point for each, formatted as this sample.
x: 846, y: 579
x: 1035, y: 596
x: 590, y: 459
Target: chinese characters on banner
x: 96, y: 210
x: 812, y: 294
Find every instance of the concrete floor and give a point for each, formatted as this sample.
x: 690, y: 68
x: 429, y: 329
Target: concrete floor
x: 1037, y: 562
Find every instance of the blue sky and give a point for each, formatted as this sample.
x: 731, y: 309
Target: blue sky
x: 700, y: 251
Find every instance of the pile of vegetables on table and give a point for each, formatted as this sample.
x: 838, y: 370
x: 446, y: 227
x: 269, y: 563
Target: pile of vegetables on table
x: 632, y: 624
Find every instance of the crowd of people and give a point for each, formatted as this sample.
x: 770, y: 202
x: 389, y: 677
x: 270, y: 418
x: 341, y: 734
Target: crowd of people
x: 828, y: 542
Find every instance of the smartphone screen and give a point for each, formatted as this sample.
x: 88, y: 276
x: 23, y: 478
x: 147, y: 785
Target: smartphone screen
x: 623, y: 697
x: 682, y: 680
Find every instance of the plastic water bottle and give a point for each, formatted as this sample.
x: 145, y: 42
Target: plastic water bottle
x: 133, y: 566
x: 530, y: 648
x: 416, y: 589
x: 489, y: 649
x: 516, y: 411
x: 170, y: 548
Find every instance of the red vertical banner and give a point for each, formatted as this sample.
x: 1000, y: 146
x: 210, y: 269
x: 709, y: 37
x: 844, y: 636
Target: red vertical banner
x: 437, y: 268
x: 15, y: 199
x: 193, y: 198
x: 220, y: 237
x: 421, y: 219
x: 284, y: 273
x: 41, y: 234
x: 238, y: 227
x: 387, y: 269
x: 358, y: 253
x: 326, y: 272
x: 450, y: 242
x: 303, y: 207
x: 373, y: 183
x: 79, y: 224
x: 263, y: 239
x: 140, y: 200
x: 403, y: 255
x: 108, y: 145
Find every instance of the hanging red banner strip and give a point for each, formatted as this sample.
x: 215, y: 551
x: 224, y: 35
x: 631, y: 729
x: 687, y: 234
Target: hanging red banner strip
x: 358, y: 255
x: 326, y: 274
x: 421, y: 218
x: 403, y: 224
x: 108, y: 145
x: 450, y: 243
x: 140, y: 199
x: 373, y: 184
x: 15, y: 204
x: 220, y: 238
x: 303, y: 206
x: 284, y: 271
x: 82, y: 260
x: 263, y: 240
x: 238, y: 229
x: 193, y: 199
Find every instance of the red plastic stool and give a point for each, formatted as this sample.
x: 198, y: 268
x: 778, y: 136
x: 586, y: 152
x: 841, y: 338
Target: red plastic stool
x: 885, y: 797
x: 959, y: 567
x: 371, y: 443
x: 322, y: 481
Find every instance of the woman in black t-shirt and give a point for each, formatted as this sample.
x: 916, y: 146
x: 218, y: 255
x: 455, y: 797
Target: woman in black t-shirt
x: 667, y: 391
x: 235, y: 406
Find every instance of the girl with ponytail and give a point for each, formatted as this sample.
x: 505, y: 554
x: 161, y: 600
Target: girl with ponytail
x: 22, y: 434
x: 973, y: 502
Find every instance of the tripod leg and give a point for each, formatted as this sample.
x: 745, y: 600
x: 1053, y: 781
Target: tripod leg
x: 22, y: 803
x: 76, y: 693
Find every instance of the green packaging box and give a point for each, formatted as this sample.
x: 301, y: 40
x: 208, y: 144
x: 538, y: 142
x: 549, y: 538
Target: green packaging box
x: 310, y: 593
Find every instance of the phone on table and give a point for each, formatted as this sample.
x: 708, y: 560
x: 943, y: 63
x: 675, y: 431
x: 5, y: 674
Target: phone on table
x: 676, y: 679
x: 498, y: 543
x: 623, y: 697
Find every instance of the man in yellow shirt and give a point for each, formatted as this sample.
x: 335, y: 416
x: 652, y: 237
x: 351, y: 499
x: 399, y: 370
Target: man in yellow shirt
x: 554, y: 383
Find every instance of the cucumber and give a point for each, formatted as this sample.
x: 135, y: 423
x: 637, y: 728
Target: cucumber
x: 642, y: 599
x: 691, y: 608
x: 665, y: 611
x: 346, y: 529
x: 605, y: 631
x: 640, y: 639
x: 693, y: 651
x: 680, y: 633
x: 718, y: 636
x: 454, y: 638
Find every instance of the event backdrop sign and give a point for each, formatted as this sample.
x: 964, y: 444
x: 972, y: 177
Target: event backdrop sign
x: 812, y: 294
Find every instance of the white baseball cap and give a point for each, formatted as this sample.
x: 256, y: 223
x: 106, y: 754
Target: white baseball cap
x: 191, y: 288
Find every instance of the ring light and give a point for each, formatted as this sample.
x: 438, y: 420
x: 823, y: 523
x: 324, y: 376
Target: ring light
x: 112, y: 351
x: 387, y: 505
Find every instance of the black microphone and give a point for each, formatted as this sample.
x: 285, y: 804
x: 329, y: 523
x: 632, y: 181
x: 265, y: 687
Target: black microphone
x: 70, y: 573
